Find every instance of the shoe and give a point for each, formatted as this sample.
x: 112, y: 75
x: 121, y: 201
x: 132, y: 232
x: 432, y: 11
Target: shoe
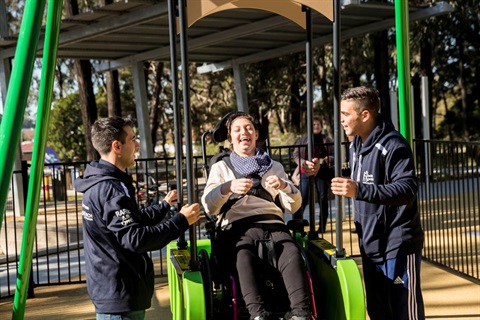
x: 264, y: 316
x: 289, y: 316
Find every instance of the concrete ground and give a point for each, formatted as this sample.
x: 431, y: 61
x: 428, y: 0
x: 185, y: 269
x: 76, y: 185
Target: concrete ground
x: 446, y: 294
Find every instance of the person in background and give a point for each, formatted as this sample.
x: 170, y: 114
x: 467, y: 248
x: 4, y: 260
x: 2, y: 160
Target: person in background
x: 117, y: 233
x: 323, y: 152
x: 384, y: 188
x: 255, y: 217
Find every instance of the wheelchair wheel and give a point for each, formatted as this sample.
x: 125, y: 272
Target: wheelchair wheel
x: 207, y: 282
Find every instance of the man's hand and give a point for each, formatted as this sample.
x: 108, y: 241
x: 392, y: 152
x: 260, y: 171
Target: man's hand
x: 171, y: 197
x: 344, y: 187
x: 191, y: 212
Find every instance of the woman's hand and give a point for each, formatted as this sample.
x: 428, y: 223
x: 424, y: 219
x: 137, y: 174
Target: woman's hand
x: 311, y: 167
x: 275, y: 182
x: 238, y: 186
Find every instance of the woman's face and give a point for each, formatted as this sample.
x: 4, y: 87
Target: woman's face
x: 243, y: 137
x: 317, y: 127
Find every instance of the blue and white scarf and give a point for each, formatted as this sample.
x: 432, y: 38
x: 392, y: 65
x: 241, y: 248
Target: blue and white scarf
x: 246, y: 166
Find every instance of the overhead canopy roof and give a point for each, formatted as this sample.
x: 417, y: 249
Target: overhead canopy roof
x: 137, y: 30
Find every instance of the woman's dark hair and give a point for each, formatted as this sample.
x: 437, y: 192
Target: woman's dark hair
x: 221, y: 130
x: 237, y: 115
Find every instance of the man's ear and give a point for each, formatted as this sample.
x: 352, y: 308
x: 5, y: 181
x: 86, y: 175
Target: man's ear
x: 116, y: 145
x: 365, y: 115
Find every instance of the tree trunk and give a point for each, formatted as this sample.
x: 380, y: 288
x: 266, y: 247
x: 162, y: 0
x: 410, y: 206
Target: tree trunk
x: 113, y: 94
x: 156, y: 103
x: 113, y: 86
x: 83, y: 70
x: 426, y: 70
x: 463, y: 90
x: 295, y: 103
x: 382, y: 71
x: 60, y: 78
x: 88, y: 105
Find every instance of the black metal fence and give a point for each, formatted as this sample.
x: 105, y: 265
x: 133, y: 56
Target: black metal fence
x: 449, y: 194
x: 449, y: 197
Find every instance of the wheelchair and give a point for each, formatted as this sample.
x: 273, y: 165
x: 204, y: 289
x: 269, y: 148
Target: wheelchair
x: 223, y: 298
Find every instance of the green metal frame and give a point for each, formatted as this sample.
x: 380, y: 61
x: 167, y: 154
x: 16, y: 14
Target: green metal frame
x: 187, y: 298
x: 338, y: 288
x: 403, y: 69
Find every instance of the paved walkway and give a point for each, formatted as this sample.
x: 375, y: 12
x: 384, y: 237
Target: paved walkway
x: 447, y: 296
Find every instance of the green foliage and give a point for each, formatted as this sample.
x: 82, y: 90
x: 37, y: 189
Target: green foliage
x: 102, y: 103
x: 127, y: 95
x: 213, y: 147
x: 66, y: 135
x: 212, y: 96
x: 286, y: 139
x: 454, y: 40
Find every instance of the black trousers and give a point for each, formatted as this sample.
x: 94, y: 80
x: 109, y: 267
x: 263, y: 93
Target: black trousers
x: 239, y: 250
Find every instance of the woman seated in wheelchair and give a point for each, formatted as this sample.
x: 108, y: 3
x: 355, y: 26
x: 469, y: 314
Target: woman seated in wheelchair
x: 249, y: 192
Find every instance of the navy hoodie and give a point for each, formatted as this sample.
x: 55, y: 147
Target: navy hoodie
x: 386, y: 213
x: 117, y: 236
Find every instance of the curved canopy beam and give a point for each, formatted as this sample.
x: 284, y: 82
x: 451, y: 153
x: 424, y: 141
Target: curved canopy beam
x: 290, y: 9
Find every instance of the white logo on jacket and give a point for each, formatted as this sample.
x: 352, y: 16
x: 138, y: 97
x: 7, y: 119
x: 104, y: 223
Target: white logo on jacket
x: 125, y: 215
x: 86, y: 215
x: 367, y: 178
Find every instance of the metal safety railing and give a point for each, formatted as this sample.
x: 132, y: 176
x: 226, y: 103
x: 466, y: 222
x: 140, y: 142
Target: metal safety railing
x: 449, y: 196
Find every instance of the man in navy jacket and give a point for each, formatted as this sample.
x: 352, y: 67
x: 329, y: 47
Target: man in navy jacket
x: 117, y: 233
x: 384, y: 187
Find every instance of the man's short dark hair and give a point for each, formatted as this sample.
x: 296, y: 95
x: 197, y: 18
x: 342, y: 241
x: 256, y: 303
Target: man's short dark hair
x: 366, y: 98
x: 106, y: 130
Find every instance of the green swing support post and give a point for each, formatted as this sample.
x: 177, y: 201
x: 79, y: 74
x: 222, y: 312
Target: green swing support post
x: 10, y: 128
x: 38, y: 156
x: 403, y: 69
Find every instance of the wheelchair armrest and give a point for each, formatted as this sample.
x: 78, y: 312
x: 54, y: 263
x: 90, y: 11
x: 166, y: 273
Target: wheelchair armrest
x: 297, y: 224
